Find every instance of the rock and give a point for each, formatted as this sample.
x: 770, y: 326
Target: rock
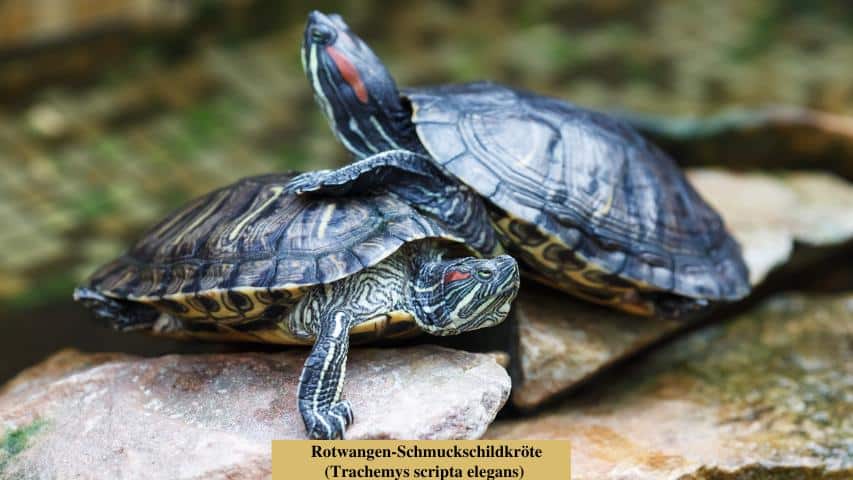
x: 771, y: 138
x: 563, y: 342
x: 767, y: 214
x: 769, y: 394
x: 130, y: 417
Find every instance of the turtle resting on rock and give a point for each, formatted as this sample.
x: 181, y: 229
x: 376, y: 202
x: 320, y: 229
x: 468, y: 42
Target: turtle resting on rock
x: 584, y: 202
x: 250, y: 262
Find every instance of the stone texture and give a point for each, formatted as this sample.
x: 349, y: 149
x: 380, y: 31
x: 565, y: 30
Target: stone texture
x: 767, y: 395
x: 770, y: 138
x: 564, y: 342
x: 768, y: 214
x: 128, y: 417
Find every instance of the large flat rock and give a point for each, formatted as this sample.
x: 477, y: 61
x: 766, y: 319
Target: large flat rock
x: 769, y: 214
x: 769, y: 138
x: 767, y: 395
x: 210, y: 416
x: 564, y: 342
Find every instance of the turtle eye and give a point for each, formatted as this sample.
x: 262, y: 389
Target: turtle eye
x: 484, y: 274
x: 321, y: 34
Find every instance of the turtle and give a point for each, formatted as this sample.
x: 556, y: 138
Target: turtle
x: 251, y: 262
x: 585, y: 203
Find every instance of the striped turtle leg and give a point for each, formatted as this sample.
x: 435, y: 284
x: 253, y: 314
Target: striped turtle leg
x: 414, y: 178
x: 325, y: 415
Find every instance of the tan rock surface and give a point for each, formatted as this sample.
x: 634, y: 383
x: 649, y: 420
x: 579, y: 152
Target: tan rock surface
x: 769, y: 213
x: 213, y: 416
x: 564, y: 342
x: 768, y: 395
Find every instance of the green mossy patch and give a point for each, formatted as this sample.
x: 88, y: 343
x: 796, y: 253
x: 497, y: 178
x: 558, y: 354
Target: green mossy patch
x: 759, y: 472
x: 16, y: 441
x: 776, y: 367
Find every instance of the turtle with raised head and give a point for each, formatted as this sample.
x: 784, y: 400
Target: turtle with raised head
x: 250, y: 262
x: 584, y: 202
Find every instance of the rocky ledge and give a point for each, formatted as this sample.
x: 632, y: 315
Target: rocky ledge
x: 772, y: 214
x: 767, y: 395
x: 213, y: 416
x: 769, y: 139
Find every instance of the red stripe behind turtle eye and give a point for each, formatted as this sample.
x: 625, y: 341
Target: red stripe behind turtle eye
x: 455, y: 275
x: 349, y: 72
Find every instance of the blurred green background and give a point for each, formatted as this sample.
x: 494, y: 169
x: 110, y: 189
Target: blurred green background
x: 115, y: 111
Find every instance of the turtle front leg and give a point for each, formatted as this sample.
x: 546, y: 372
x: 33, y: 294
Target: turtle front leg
x: 413, y: 178
x: 326, y: 417
x: 380, y: 170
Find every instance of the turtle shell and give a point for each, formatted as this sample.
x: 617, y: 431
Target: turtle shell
x: 583, y: 181
x: 232, y: 253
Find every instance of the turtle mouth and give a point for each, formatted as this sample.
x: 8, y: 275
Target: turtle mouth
x: 512, y: 286
x: 508, y: 291
x: 500, y: 302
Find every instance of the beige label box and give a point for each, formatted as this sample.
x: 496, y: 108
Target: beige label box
x: 422, y: 459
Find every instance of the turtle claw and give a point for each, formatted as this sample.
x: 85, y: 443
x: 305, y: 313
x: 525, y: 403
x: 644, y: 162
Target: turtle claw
x: 307, y: 182
x: 331, y: 424
x: 325, y: 182
x: 679, y: 308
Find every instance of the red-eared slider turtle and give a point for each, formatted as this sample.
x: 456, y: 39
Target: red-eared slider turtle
x: 582, y: 200
x: 251, y: 262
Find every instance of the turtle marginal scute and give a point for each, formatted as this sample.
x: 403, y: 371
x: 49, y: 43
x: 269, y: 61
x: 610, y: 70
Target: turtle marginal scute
x: 172, y: 306
x: 146, y: 281
x: 272, y: 296
x: 203, y: 303
x: 258, y: 273
x: 184, y: 278
x: 655, y: 260
x: 408, y: 229
x: 371, y: 252
x: 336, y: 265
x: 565, y: 258
x: 301, y: 270
x: 526, y: 234
x: 118, y: 276
x: 215, y: 275
x: 237, y: 301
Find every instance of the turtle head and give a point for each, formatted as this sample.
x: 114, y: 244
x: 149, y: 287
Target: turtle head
x: 465, y: 294
x: 353, y: 88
